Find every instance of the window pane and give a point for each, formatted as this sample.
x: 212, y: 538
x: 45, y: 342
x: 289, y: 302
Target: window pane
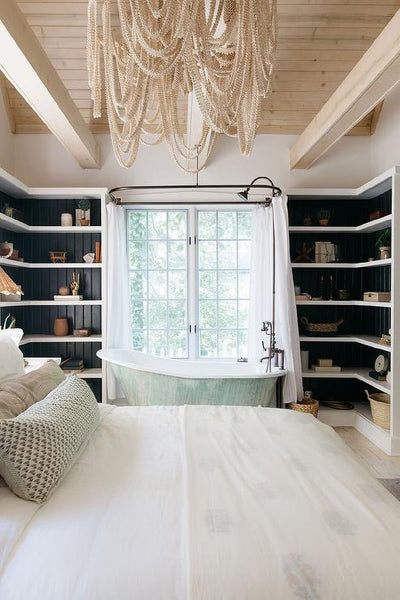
x: 227, y: 344
x: 227, y: 255
x: 158, y: 343
x: 227, y: 284
x: 244, y: 284
x: 157, y: 224
x: 208, y: 284
x: 207, y: 224
x: 244, y: 255
x: 157, y: 284
x: 243, y: 313
x: 137, y: 224
x: 207, y: 314
x: 176, y: 314
x: 176, y: 225
x: 208, y: 344
x: 158, y: 281
x: 157, y: 255
x: 157, y: 315
x: 139, y: 314
x: 244, y: 225
x: 227, y: 314
x: 138, y: 280
x: 177, y: 344
x: 139, y: 341
x: 138, y: 255
x: 207, y: 255
x: 177, y: 285
x: 177, y: 255
x: 227, y: 225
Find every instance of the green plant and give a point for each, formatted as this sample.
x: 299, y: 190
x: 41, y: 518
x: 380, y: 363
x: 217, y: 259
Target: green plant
x: 84, y: 204
x: 383, y: 241
x: 324, y: 213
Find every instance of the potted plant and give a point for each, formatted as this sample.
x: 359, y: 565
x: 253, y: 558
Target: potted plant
x: 323, y: 217
x: 383, y: 244
x: 84, y: 206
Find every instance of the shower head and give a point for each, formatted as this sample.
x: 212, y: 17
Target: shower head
x: 243, y: 195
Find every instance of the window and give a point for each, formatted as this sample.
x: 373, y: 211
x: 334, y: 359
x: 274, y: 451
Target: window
x: 189, y: 281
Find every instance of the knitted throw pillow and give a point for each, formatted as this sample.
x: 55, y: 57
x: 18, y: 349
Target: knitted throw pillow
x: 38, y: 447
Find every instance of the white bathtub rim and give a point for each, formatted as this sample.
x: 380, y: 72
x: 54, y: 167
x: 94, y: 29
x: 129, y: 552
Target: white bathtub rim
x: 121, y: 358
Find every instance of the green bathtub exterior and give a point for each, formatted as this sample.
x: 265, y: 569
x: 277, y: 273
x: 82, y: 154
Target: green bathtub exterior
x: 144, y: 388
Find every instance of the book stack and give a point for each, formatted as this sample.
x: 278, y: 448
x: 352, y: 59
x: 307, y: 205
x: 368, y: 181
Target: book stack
x: 325, y: 365
x: 72, y: 365
x: 326, y: 252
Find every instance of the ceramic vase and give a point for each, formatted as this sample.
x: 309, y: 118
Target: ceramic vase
x: 61, y: 326
x: 66, y: 220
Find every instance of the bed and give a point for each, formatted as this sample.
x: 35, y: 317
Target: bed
x: 205, y: 502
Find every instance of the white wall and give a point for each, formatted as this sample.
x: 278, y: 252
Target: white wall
x: 6, y: 141
x: 385, y: 143
x: 42, y: 161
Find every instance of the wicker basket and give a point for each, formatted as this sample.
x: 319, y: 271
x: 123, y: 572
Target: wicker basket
x: 320, y: 328
x: 307, y: 405
x: 57, y: 257
x: 380, y: 408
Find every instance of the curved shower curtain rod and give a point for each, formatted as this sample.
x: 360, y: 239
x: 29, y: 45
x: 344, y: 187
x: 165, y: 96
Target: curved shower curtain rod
x: 243, y: 195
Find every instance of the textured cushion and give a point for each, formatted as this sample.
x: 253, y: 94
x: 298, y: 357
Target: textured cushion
x: 11, y: 358
x: 16, y: 395
x: 38, y: 447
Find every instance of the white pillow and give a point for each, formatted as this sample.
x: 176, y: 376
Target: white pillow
x: 11, y: 357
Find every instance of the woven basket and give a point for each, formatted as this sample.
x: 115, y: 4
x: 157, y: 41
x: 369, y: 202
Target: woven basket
x: 320, y: 328
x: 380, y: 408
x: 307, y: 405
x: 57, y: 257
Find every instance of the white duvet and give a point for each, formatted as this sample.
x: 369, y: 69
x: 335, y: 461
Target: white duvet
x: 210, y: 503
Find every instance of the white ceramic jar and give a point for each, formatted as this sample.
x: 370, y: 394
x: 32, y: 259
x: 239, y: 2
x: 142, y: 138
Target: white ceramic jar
x: 66, y: 220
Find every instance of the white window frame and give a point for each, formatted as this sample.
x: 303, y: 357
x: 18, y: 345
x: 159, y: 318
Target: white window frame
x: 192, y: 267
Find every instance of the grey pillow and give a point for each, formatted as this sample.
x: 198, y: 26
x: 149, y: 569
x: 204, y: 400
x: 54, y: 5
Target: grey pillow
x: 38, y: 447
x: 16, y: 395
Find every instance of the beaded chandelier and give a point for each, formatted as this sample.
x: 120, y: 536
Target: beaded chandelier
x: 151, y: 55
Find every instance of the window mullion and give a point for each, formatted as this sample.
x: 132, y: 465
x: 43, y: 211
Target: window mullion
x: 192, y: 283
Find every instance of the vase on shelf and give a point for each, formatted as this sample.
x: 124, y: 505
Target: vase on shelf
x: 384, y: 252
x: 66, y: 220
x: 61, y: 327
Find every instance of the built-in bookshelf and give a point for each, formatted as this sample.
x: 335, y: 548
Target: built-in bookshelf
x: 358, y: 341
x: 41, y: 232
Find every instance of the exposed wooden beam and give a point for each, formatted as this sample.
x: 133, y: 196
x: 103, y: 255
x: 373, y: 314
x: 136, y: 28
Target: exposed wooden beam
x: 375, y: 116
x: 6, y: 102
x: 26, y: 65
x: 373, y: 77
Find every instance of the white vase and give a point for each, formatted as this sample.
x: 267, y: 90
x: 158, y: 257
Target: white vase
x: 66, y: 220
x: 305, y: 358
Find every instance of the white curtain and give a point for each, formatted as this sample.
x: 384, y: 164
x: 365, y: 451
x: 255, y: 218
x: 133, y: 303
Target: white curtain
x: 118, y: 303
x: 286, y: 325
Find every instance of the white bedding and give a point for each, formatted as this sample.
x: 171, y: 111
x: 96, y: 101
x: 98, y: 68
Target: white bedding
x: 210, y: 503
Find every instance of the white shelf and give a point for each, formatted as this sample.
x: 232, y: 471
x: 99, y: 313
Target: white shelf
x: 360, y: 373
x: 342, y: 303
x: 19, y: 227
x: 337, y: 265
x: 42, y: 339
x: 51, y: 303
x: 370, y: 227
x: 365, y: 340
x: 16, y: 263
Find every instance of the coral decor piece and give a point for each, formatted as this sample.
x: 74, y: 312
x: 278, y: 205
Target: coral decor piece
x: 149, y: 56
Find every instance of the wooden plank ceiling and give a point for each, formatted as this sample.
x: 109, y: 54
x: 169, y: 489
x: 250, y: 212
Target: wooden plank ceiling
x: 320, y: 41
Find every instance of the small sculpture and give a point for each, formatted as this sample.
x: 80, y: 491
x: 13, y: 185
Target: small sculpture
x: 75, y: 283
x: 303, y: 255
